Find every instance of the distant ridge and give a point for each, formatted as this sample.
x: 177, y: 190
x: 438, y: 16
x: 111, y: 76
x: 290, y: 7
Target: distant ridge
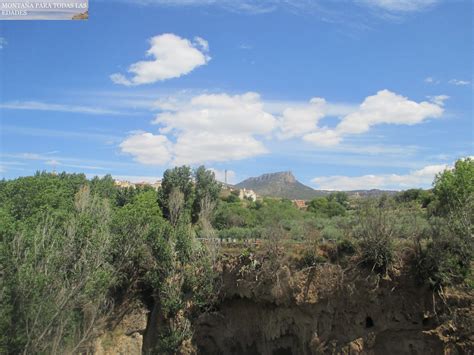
x: 284, y: 185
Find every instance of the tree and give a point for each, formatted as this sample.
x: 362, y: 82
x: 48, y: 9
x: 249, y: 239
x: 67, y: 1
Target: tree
x: 104, y: 187
x: 447, y: 257
x: 56, y: 279
x: 328, y: 206
x: 177, y: 178
x: 339, y: 197
x: 207, y: 190
x: 454, y: 188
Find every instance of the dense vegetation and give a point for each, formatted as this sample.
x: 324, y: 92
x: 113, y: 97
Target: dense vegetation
x: 70, y: 248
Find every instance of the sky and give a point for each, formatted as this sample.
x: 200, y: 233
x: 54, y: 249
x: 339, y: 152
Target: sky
x: 345, y: 94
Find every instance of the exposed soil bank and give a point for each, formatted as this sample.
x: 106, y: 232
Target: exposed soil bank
x: 325, y: 310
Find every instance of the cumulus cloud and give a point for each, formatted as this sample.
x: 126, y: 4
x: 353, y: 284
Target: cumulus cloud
x: 385, y: 107
x: 400, y: 5
x: 299, y: 120
x: 221, y: 127
x: 207, y: 128
x: 414, y: 179
x: 148, y: 148
x: 390, y: 108
x: 172, y: 57
x: 459, y: 82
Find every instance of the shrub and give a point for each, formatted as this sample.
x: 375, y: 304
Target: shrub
x: 240, y: 233
x: 447, y: 257
x: 310, y: 258
x: 375, y: 231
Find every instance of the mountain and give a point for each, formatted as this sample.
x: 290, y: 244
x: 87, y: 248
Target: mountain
x: 282, y: 184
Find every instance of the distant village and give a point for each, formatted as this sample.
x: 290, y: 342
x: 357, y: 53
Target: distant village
x: 244, y: 194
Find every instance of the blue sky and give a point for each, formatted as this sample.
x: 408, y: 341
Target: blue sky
x: 346, y: 94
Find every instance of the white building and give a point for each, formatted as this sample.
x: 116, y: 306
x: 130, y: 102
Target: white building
x: 248, y: 194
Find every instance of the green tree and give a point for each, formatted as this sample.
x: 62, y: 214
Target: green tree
x: 447, y: 257
x: 340, y: 197
x: 178, y: 178
x: 454, y: 188
x: 328, y: 206
x: 56, y: 279
x: 207, y: 190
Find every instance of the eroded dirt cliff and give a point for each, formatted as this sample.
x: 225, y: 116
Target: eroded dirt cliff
x: 268, y: 307
x: 325, y: 309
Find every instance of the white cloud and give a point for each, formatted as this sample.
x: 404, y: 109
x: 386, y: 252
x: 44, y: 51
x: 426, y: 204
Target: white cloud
x: 300, y: 120
x: 389, y: 108
x: 324, y: 137
x: 3, y: 42
x: 400, y: 5
x: 438, y: 99
x: 431, y: 80
x: 385, y: 107
x: 202, y: 43
x: 44, y: 106
x: 173, y: 57
x: 55, y: 163
x: 421, y: 178
x: 207, y: 128
x: 459, y: 82
x: 148, y: 148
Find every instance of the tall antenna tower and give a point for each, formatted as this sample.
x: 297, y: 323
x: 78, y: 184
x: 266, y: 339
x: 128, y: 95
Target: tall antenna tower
x: 225, y: 176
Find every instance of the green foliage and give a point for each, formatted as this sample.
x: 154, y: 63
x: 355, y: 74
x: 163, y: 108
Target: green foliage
x: 375, y: 234
x: 207, y: 190
x: 448, y: 255
x: 339, y: 197
x: 240, y: 233
x: 332, y: 233
x: 67, y: 245
x: 273, y: 211
x: 453, y: 189
x: 446, y: 260
x: 331, y: 206
x: 420, y: 196
x: 27, y: 196
x: 140, y: 240
x: 104, y: 187
x: 230, y: 215
x: 179, y: 178
x: 56, y: 279
x: 233, y: 197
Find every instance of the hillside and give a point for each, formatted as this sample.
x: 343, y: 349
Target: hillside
x: 281, y: 184
x: 284, y: 184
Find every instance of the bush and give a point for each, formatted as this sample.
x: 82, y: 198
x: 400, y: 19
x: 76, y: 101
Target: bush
x: 56, y: 280
x: 311, y: 258
x: 240, y: 233
x: 446, y: 259
x: 375, y: 231
x: 331, y: 233
x: 230, y: 215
